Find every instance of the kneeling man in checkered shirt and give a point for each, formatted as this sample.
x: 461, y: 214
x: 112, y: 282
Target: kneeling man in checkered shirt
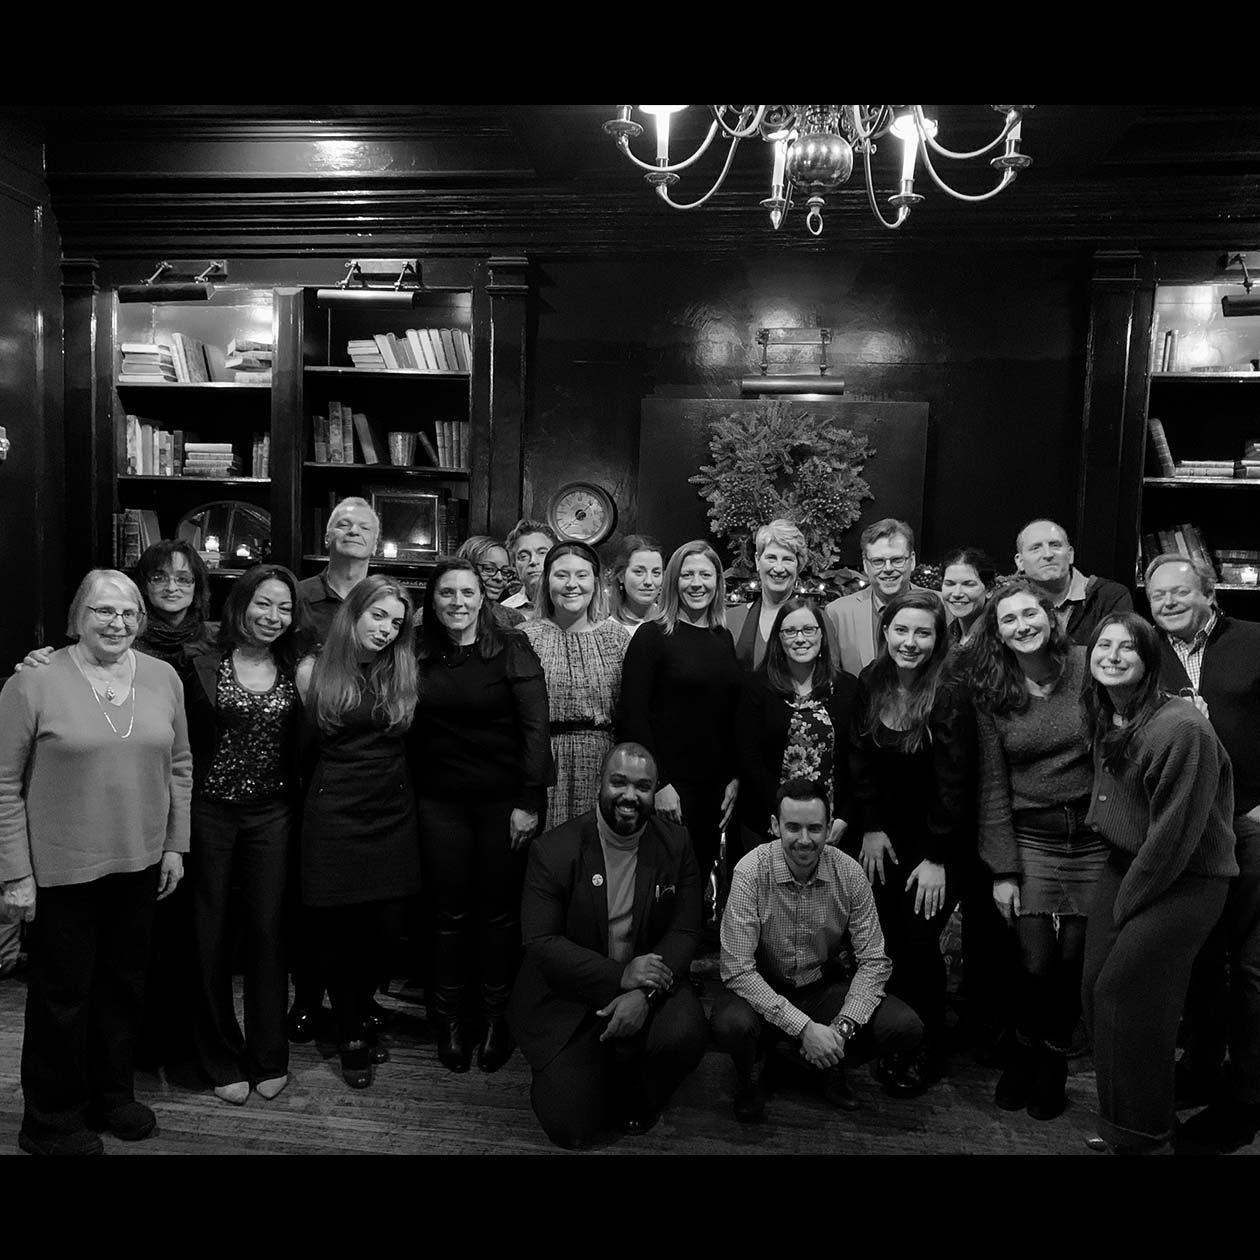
x: 795, y: 906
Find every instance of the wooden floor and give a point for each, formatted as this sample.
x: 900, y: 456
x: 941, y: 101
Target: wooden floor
x: 416, y: 1107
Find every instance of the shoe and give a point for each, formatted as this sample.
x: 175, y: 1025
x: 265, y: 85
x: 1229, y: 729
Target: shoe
x: 299, y: 1023
x: 236, y: 1093
x: 272, y: 1086
x: 497, y: 1045
x: 356, y: 1064
x: 1015, y: 1083
x: 454, y: 1051
x: 81, y: 1142
x: 902, y: 1075
x: 377, y: 1017
x: 129, y: 1122
x: 639, y: 1123
x: 1047, y: 1097
x: 837, y: 1090
x: 1226, y: 1126
x: 1096, y: 1143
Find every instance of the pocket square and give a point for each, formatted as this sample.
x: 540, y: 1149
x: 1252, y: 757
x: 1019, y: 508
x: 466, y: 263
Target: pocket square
x: 668, y: 891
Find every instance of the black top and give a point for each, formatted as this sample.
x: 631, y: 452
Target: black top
x: 762, y: 727
x: 321, y: 603
x: 924, y: 800
x: 480, y: 730
x: 679, y: 696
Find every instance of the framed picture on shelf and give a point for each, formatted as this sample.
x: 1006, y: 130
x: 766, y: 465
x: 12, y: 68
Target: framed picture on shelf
x: 409, y: 522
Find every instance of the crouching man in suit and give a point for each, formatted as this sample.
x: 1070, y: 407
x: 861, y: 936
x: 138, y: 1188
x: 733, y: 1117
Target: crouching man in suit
x: 610, y: 918
x: 795, y: 904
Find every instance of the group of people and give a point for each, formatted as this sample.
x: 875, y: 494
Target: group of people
x: 561, y: 771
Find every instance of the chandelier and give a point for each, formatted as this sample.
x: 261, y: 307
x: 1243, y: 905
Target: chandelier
x: 814, y: 147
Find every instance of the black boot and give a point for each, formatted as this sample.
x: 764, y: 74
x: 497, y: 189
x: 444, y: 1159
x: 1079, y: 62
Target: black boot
x: 497, y: 1044
x: 1048, y: 1098
x: 1015, y: 1083
x: 446, y: 1009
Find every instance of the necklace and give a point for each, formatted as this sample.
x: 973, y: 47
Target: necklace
x: 110, y: 693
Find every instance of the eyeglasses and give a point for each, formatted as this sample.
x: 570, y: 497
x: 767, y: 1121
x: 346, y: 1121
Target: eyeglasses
x: 105, y: 614
x: 505, y: 571
x: 808, y: 633
x: 888, y: 562
x: 164, y: 579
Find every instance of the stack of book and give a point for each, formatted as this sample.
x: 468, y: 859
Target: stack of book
x: 1249, y: 465
x: 365, y: 353
x: 1220, y: 469
x: 260, y: 456
x: 152, y: 451
x: 452, y: 443
x: 249, y: 361
x: 134, y: 531
x: 334, y: 435
x: 146, y: 363
x: 1184, y: 540
x: 210, y: 459
x: 452, y: 523
x: 414, y: 350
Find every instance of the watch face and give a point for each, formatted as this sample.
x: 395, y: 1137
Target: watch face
x: 583, y: 513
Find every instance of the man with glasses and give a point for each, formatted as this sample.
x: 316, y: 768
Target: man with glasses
x: 353, y: 530
x: 1081, y: 603
x: 888, y: 560
x: 527, y: 546
x: 1214, y: 660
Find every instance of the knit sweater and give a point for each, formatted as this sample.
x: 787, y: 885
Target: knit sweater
x: 77, y: 802
x: 1170, y: 808
x: 1031, y: 760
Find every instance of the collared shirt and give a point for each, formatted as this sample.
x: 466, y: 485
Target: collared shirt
x: 518, y: 599
x: 793, y: 930
x: 1191, y: 654
x: 321, y: 602
x: 1075, y: 594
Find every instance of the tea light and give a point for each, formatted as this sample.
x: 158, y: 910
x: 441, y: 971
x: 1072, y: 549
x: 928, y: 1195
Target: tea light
x: 389, y: 550
x: 212, y: 542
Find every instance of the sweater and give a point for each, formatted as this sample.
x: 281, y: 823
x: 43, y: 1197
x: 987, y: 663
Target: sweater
x: 1102, y: 597
x: 1170, y: 808
x: 76, y: 801
x: 1230, y: 683
x: 1036, y: 759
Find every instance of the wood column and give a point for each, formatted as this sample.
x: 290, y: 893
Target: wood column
x: 508, y: 291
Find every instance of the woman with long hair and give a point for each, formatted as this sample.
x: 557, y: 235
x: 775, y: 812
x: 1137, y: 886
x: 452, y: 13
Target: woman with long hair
x: 1036, y: 771
x: 482, y: 756
x: 967, y: 577
x: 913, y: 765
x: 243, y: 720
x: 793, y: 723
x: 634, y: 580
x: 581, y: 650
x: 360, y: 849
x: 680, y: 695
x: 1163, y: 802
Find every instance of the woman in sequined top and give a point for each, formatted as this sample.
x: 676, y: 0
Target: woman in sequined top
x: 793, y: 722
x: 244, y: 713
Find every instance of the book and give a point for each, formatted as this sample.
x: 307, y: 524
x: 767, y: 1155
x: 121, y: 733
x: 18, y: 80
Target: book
x: 150, y: 530
x: 1169, y: 361
x: 347, y: 436
x: 146, y: 449
x: 439, y: 351
x: 459, y: 339
x: 387, y: 351
x: 246, y: 345
x: 448, y: 349
x: 143, y: 378
x: 336, y: 442
x: 425, y: 337
x: 192, y: 447
x: 425, y: 443
x: 177, y: 451
x: 417, y: 350
x: 193, y: 354
x: 402, y: 351
x: 319, y: 432
x: 1159, y: 444
x: 131, y: 445
x: 442, y: 429
x: 144, y: 347
x: 370, y: 455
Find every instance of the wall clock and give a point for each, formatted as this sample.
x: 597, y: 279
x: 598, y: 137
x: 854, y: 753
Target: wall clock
x: 582, y: 512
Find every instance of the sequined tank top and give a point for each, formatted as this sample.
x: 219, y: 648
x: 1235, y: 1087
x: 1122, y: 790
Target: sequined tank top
x: 249, y: 763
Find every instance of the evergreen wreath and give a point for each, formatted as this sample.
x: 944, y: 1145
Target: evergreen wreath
x: 782, y: 461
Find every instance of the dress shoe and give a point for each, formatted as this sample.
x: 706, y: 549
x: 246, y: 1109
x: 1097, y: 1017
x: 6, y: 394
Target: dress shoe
x: 637, y: 1123
x: 1096, y: 1143
x: 356, y: 1064
x: 902, y: 1075
x: 300, y: 1024
x: 129, y: 1122
x: 837, y: 1090
x: 272, y: 1086
x: 1047, y: 1097
x: 496, y: 1046
x: 236, y: 1093
x: 454, y: 1049
x: 1016, y: 1082
x: 1225, y: 1126
x: 81, y: 1142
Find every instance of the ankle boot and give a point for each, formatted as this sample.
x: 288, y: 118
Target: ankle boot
x: 1047, y: 1098
x: 454, y: 1050
x: 1015, y: 1083
x: 496, y: 1046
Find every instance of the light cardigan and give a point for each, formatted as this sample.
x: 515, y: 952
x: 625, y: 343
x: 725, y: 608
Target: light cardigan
x: 76, y: 801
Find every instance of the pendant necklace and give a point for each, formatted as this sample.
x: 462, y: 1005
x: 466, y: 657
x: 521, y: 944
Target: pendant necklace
x: 110, y: 693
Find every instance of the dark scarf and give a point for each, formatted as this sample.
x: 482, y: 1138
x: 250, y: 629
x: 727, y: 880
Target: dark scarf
x: 167, y: 642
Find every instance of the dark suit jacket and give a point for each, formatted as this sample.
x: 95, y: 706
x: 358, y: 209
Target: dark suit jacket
x: 566, y: 972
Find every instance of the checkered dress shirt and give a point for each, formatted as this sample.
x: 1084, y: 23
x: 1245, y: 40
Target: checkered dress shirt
x: 1191, y: 654
x: 791, y: 930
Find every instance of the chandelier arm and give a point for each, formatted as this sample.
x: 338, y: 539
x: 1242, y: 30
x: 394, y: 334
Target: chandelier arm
x: 903, y: 212
x: 1007, y: 176
x: 961, y: 157
x: 662, y: 190
x: 740, y: 133
x: 624, y: 145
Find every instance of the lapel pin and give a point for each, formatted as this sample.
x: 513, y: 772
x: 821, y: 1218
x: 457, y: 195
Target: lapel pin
x: 597, y: 880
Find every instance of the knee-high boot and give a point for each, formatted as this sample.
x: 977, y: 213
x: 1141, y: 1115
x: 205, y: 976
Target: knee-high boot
x: 500, y: 954
x: 446, y: 1009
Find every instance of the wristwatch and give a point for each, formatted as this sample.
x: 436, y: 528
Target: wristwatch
x: 846, y: 1028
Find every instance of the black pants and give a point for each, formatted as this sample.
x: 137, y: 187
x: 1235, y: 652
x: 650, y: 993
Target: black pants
x: 991, y: 961
x: 1135, y: 984
x: 244, y: 846
x: 89, y: 950
x: 170, y: 987
x: 701, y: 805
x: 573, y: 1095
x: 354, y: 942
x: 743, y: 1034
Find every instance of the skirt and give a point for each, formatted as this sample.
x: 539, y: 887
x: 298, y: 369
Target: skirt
x: 1060, y: 860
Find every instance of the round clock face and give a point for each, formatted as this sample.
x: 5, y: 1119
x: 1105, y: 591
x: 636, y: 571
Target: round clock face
x: 582, y: 512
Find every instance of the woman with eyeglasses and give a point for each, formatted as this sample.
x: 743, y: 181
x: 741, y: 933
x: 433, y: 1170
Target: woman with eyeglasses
x: 680, y: 692
x: 1163, y: 802
x: 634, y: 580
x: 913, y: 763
x: 243, y: 720
x: 793, y: 723
x: 581, y: 650
x: 490, y: 558
x: 95, y: 780
x: 360, y: 847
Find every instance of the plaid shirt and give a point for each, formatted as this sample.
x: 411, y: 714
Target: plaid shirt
x: 793, y: 930
x: 1191, y: 654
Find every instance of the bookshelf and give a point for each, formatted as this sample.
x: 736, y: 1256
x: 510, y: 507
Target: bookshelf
x: 1201, y: 472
